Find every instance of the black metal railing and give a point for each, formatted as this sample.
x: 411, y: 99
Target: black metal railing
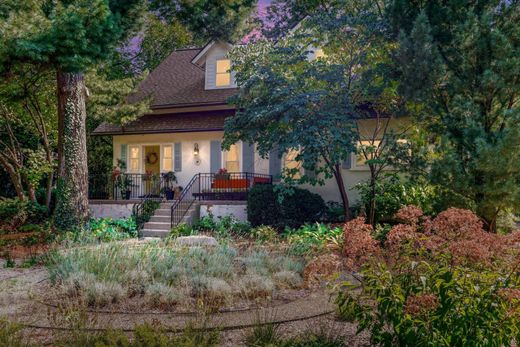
x: 211, y: 186
x: 127, y: 186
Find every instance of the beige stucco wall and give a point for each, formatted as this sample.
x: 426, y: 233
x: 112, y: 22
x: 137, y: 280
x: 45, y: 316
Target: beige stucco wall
x: 328, y: 191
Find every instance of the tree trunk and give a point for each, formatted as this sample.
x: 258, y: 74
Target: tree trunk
x: 342, y: 191
x: 372, y: 203
x: 16, y: 179
x: 72, y: 199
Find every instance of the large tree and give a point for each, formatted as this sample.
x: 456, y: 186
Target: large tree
x: 68, y: 37
x: 460, y: 67
x: 316, y: 106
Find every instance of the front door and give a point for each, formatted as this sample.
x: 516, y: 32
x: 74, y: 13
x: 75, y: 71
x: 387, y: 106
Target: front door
x: 152, y: 169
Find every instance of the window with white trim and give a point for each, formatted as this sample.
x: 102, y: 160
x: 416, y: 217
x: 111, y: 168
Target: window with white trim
x: 134, y: 158
x: 232, y: 159
x: 167, y: 158
x: 223, y: 71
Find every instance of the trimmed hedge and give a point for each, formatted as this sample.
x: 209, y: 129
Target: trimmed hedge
x: 300, y: 207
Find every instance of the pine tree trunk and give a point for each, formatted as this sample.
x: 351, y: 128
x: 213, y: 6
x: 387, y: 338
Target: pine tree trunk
x: 72, y: 198
x: 342, y: 191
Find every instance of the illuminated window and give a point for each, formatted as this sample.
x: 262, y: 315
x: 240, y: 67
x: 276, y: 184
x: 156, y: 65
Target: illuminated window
x: 368, y: 148
x: 290, y: 163
x: 223, y: 77
x: 135, y: 155
x: 231, y: 157
x: 167, y: 159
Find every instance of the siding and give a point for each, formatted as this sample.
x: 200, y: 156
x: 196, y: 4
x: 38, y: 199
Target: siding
x: 218, y: 51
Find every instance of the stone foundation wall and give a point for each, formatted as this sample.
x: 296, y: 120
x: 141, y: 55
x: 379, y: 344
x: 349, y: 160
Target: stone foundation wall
x: 113, y: 210
x: 237, y: 209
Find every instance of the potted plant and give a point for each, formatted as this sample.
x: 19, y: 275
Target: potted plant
x: 125, y: 184
x: 169, y: 179
x: 222, y: 174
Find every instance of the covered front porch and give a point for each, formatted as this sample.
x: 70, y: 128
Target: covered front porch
x: 203, y: 186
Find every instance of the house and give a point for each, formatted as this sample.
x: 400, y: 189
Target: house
x: 183, y: 134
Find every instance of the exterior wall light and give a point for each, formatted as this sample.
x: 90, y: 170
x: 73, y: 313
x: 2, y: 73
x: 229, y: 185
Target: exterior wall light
x: 196, y: 149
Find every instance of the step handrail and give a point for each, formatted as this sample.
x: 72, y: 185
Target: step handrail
x: 182, y: 197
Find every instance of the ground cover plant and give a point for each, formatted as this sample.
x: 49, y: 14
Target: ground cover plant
x: 313, y: 238
x: 164, y: 276
x: 102, y: 230
x: 434, y: 282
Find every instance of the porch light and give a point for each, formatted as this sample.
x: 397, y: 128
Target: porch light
x: 196, y: 149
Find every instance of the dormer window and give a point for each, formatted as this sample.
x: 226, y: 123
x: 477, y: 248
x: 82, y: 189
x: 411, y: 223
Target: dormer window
x: 223, y: 78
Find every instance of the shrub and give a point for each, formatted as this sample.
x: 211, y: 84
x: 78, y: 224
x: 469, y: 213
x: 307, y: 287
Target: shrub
x: 321, y: 268
x: 291, y: 207
x: 358, y: 243
x: 262, y: 206
x: 434, y: 304
x: 393, y: 193
x: 103, y: 230
x: 223, y: 227
x: 14, y: 213
x: 181, y: 230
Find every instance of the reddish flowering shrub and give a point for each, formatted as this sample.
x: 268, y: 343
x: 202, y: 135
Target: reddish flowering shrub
x: 400, y: 236
x: 359, y: 245
x: 470, y: 251
x: 409, y: 214
x: 456, y: 224
x: 321, y: 269
x: 421, y: 304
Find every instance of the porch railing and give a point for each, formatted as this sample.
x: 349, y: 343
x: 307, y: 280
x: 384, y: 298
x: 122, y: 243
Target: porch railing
x: 126, y: 186
x: 211, y: 186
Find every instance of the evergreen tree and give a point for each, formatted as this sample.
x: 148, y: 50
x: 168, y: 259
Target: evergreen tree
x: 460, y: 65
x: 68, y: 36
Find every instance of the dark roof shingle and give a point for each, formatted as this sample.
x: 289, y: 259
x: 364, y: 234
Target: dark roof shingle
x: 168, y: 123
x: 179, y: 82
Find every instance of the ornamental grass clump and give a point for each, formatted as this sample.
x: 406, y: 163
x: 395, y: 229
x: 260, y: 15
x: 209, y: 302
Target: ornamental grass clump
x: 165, y: 276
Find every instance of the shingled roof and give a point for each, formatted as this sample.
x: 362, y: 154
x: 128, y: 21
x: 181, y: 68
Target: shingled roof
x: 169, y: 123
x: 179, y: 82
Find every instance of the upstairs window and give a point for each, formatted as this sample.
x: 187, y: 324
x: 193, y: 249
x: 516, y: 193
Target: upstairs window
x: 223, y: 78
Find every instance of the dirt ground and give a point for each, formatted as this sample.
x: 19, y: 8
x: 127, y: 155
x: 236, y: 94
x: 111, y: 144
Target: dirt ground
x: 20, y: 300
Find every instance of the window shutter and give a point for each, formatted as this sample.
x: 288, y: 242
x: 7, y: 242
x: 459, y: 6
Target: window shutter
x: 347, y: 164
x: 215, y: 162
x: 177, y: 154
x: 124, y: 157
x: 248, y: 157
x: 275, y: 164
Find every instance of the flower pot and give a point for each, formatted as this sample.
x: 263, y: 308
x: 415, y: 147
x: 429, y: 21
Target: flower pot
x: 222, y: 176
x: 169, y: 194
x: 127, y: 194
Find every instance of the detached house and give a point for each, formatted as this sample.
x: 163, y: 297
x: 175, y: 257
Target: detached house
x: 183, y: 135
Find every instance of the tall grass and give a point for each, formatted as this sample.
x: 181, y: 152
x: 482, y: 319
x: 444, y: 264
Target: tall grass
x: 165, y: 275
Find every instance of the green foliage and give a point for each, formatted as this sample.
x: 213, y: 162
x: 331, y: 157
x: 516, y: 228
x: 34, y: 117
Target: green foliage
x: 267, y: 205
x: 103, y: 230
x: 15, y: 213
x: 264, y: 233
x: 313, y: 237
x: 393, y: 192
x: 457, y: 61
x: 225, y: 20
x: 223, y: 227
x: 149, y: 207
x: 434, y: 304
x: 181, y: 230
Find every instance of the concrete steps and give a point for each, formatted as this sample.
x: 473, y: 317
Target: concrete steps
x: 159, y: 224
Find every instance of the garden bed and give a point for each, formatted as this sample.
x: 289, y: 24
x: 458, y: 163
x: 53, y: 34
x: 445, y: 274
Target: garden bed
x: 161, y: 277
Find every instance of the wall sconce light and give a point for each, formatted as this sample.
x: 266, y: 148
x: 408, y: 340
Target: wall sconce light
x: 196, y: 149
